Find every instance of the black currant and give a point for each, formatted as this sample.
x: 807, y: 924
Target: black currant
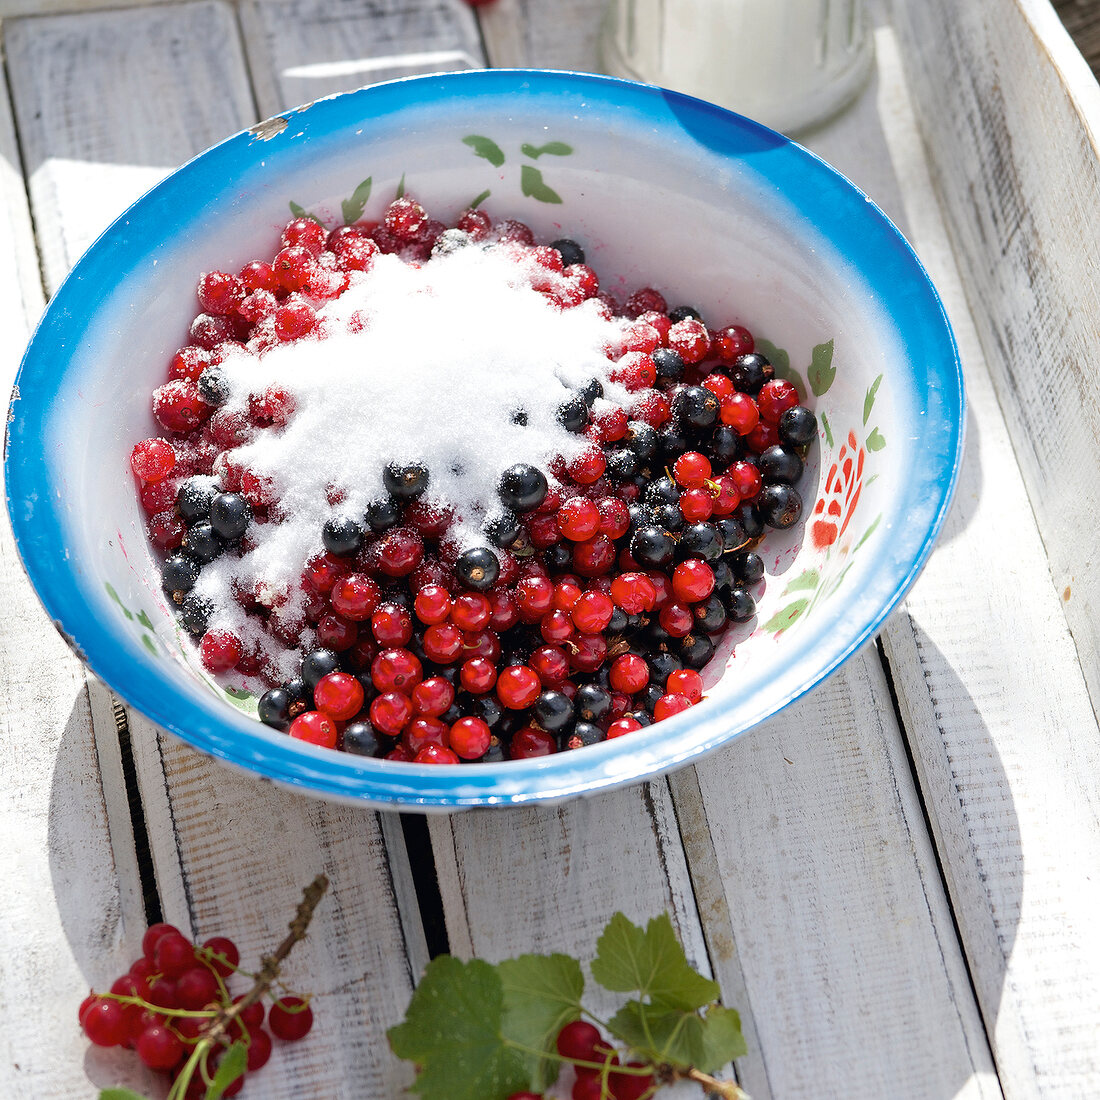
x: 661, y: 665
x: 777, y: 464
x: 213, y: 386
x: 695, y: 650
x: 179, y: 574
x: 503, y: 528
x: 642, y: 439
x: 273, y: 709
x: 406, y: 481
x: 316, y: 665
x: 662, y: 491
x: 739, y: 604
x: 591, y: 390
x: 382, y: 514
x: 573, y: 413
x: 361, y: 739
x: 571, y: 252
x: 195, y: 612
x: 592, y: 702
x: 710, y: 615
x: 342, y: 536
x: 230, y: 515
x: 478, y: 568
x: 580, y: 736
x: 202, y: 542
x: 747, y: 567
x: 193, y: 498
x: 797, y: 426
x: 779, y: 506
x: 696, y: 406
x: 522, y: 487
x: 669, y: 364
x: 652, y: 547
x: 553, y: 711
x: 750, y: 372
x: 683, y: 313
x: 700, y: 540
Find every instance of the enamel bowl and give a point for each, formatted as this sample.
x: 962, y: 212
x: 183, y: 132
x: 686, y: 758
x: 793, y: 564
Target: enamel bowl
x: 660, y: 189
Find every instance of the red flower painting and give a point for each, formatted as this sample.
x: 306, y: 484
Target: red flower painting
x: 838, y: 501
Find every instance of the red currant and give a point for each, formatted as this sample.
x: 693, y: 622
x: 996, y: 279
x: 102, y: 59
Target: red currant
x: 470, y: 738
x: 339, y: 695
x: 629, y: 673
x: 669, y: 705
x: 389, y: 712
x: 518, y: 687
x: 315, y: 728
x: 692, y: 581
x: 290, y: 1018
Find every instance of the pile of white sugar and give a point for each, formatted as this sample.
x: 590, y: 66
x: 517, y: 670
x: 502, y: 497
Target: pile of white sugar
x: 424, y: 364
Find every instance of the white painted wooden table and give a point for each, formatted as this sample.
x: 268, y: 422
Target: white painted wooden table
x: 897, y: 881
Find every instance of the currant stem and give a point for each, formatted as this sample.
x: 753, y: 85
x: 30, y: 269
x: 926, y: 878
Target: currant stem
x: 269, y: 968
x: 728, y: 1090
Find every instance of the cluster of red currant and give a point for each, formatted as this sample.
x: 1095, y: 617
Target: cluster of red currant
x: 175, y: 1009
x: 599, y: 1073
x: 604, y: 581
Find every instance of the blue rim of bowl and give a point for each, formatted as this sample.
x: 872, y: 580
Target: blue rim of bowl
x: 823, y: 197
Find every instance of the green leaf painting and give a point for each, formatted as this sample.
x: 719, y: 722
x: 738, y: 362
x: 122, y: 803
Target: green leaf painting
x: 352, y: 208
x: 785, y: 617
x: 554, y: 148
x: 532, y: 185
x: 869, y: 400
x: 822, y: 372
x: 300, y: 211
x: 486, y: 148
x: 475, y: 203
x: 875, y: 442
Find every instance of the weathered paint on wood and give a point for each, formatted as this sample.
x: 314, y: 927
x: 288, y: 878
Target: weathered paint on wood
x: 301, y: 50
x: 231, y: 854
x: 991, y: 684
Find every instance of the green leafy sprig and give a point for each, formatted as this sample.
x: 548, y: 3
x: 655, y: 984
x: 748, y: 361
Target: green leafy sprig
x: 482, y: 1032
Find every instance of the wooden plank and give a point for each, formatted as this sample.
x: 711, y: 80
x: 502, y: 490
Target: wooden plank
x: 342, y: 45
x: 1018, y: 218
x: 549, y: 878
x: 67, y: 914
x: 1003, y: 733
x: 89, y: 156
x: 813, y: 928
x: 231, y: 853
x: 835, y: 905
x: 529, y: 34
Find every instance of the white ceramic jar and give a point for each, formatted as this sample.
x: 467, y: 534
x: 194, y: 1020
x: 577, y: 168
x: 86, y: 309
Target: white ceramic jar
x: 786, y: 63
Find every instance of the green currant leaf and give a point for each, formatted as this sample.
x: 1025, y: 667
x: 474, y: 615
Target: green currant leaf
x: 651, y: 963
x: 678, y: 1037
x: 869, y: 400
x: 231, y: 1065
x: 787, y: 615
x: 554, y: 148
x: 822, y: 372
x: 352, y: 208
x: 485, y: 147
x: 452, y: 1031
x: 120, y: 1093
x: 828, y: 430
x: 542, y: 993
x: 875, y: 442
x: 532, y: 185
